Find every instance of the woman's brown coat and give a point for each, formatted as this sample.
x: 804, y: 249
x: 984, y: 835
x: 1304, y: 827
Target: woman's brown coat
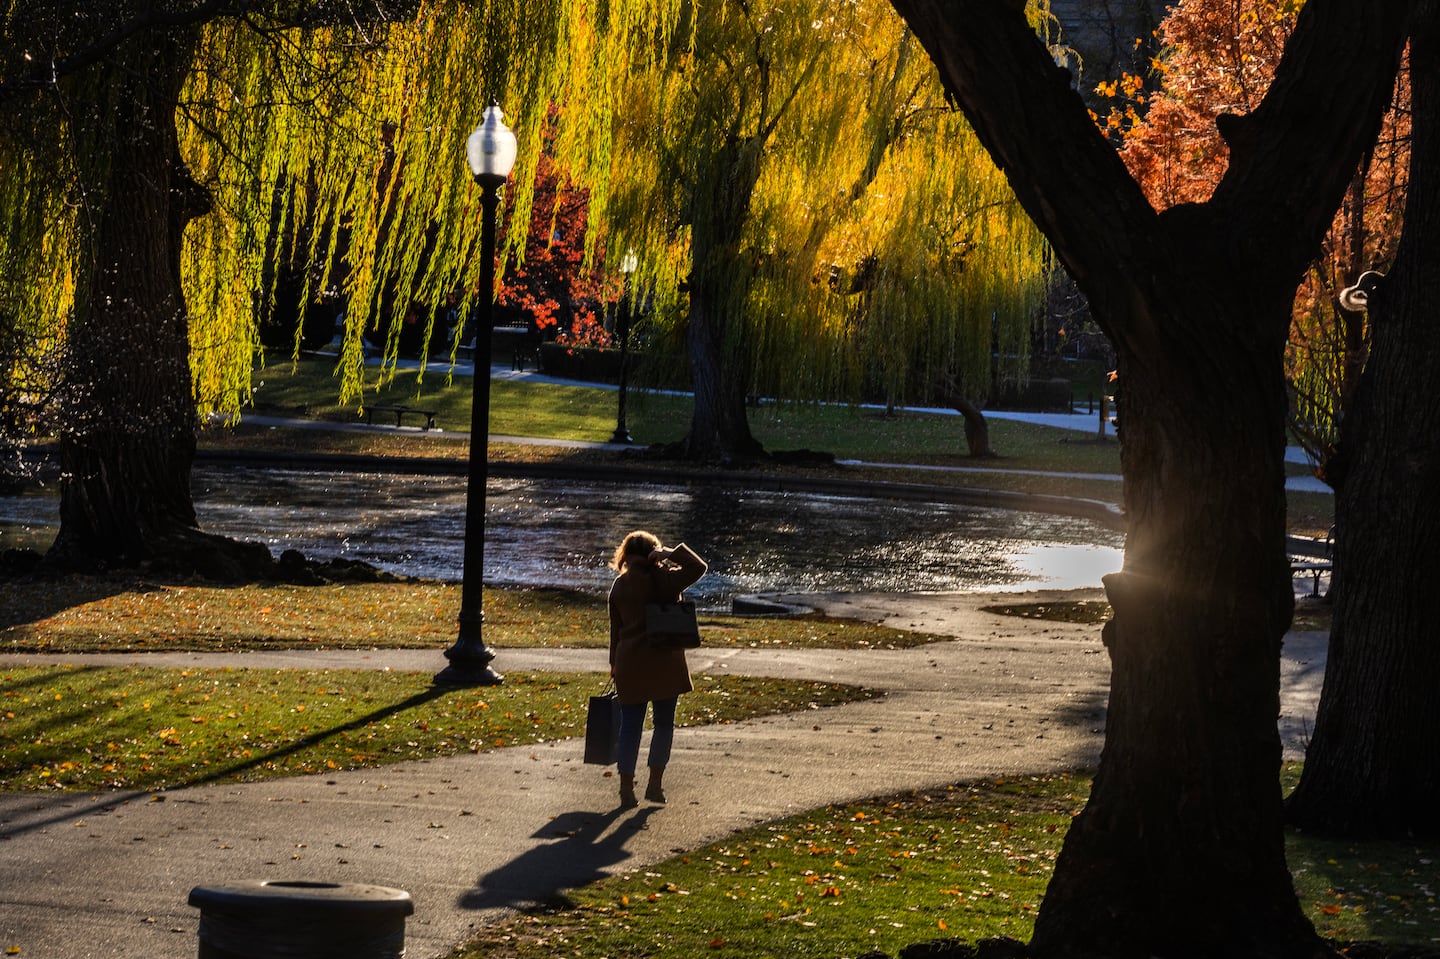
x: 642, y: 672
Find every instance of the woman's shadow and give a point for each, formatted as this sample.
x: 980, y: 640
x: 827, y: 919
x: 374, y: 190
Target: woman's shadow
x: 584, y: 845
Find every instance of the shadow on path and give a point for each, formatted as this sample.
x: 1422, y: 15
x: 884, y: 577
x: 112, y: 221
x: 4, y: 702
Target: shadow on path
x: 585, y: 843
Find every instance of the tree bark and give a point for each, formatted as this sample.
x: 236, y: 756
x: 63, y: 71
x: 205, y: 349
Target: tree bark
x: 128, y: 439
x: 1372, y: 768
x: 719, y: 282
x: 977, y: 430
x: 1179, y: 851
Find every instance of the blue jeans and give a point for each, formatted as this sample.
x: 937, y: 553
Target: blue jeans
x: 632, y: 723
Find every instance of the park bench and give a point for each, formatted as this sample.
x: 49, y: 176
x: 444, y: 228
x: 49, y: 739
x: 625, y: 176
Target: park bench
x: 522, y: 342
x: 400, y: 413
x: 1315, y: 566
x: 527, y: 350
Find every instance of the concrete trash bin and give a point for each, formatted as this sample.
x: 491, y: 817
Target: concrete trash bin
x: 288, y: 920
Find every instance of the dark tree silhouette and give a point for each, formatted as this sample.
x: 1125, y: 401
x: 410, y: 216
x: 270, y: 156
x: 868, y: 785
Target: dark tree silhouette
x: 1372, y: 768
x: 1179, y: 851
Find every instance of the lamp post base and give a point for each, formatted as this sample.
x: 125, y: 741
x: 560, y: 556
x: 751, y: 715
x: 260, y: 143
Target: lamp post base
x: 621, y: 435
x: 468, y: 674
x: 469, y: 663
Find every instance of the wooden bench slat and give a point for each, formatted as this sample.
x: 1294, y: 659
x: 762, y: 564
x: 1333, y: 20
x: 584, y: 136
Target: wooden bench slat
x: 400, y: 412
x: 1314, y: 568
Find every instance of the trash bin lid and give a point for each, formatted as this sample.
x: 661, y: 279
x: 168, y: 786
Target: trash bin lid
x: 281, y: 896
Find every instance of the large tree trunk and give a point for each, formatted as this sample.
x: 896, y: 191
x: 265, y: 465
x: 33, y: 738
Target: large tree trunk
x: 719, y: 285
x: 1372, y: 768
x: 719, y: 425
x: 129, y: 425
x: 1180, y: 850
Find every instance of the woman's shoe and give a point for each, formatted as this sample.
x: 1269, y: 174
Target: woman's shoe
x: 655, y: 790
x: 627, y: 792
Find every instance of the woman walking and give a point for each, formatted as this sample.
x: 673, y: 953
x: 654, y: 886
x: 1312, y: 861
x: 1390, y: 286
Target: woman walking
x: 645, y: 674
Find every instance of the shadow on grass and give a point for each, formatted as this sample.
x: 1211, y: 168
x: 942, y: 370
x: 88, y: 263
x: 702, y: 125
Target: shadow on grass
x: 429, y: 694
x: 28, y: 600
x: 63, y: 809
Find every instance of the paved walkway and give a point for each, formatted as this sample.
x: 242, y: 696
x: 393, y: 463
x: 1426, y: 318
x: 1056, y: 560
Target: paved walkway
x: 475, y: 836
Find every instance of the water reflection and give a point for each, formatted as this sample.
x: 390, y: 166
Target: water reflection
x: 548, y: 532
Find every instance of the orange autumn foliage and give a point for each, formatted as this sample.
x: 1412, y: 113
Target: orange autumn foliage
x: 1218, y: 57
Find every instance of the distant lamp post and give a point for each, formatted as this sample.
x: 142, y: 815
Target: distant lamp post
x: 491, y: 153
x: 628, y: 264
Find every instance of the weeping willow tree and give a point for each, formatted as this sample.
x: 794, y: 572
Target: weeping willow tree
x: 27, y: 347
x: 362, y: 170
x: 89, y: 138
x: 947, y: 274
x: 806, y: 224
x: 151, y: 154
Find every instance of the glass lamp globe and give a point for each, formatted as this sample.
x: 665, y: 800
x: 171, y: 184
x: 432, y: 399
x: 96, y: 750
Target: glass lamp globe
x: 491, y: 148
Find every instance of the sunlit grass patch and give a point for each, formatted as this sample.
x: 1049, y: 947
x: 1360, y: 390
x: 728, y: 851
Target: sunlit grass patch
x: 93, y: 728
x: 1082, y: 611
x: 1308, y: 615
x: 969, y: 862
x: 564, y: 411
x: 91, y: 614
x: 811, y: 631
x: 81, y: 614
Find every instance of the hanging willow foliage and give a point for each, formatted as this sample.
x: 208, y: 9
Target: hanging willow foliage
x: 344, y: 150
x: 330, y: 139
x: 37, y: 273
x: 879, y: 246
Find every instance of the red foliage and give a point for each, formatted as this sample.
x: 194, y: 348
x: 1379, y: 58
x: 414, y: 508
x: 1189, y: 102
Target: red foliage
x: 585, y: 330
x: 1219, y: 57
x: 553, y: 285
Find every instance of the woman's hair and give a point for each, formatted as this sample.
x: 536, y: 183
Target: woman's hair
x: 638, y: 543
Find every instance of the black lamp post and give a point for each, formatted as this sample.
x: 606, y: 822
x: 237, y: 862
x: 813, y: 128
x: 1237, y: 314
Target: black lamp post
x: 491, y: 154
x: 628, y: 263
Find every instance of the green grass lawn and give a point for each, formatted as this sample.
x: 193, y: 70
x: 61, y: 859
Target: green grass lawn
x: 588, y: 414
x: 968, y: 862
x: 309, y: 388
x: 106, y: 614
x: 95, y: 728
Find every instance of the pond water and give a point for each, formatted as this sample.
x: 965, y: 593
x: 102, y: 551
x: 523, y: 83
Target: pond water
x: 560, y: 533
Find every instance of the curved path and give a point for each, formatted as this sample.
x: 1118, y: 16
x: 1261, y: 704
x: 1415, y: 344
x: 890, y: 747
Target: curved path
x: 474, y: 836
